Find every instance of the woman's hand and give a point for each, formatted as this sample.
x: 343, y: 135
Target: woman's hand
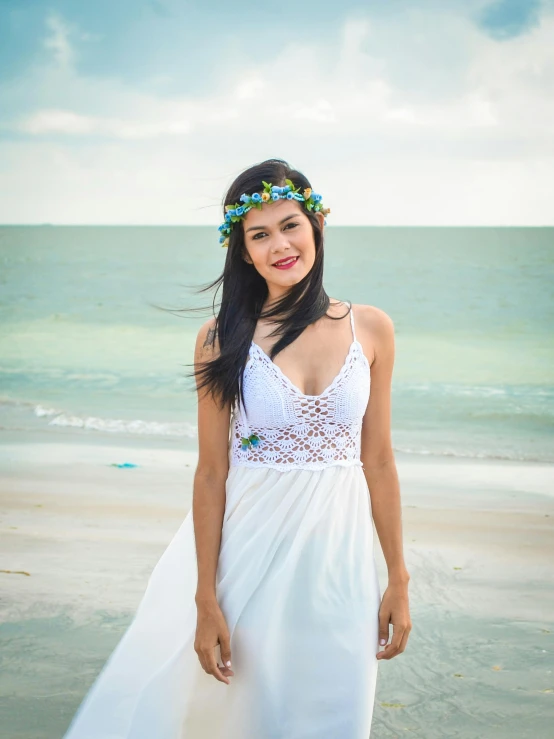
x: 394, y: 610
x: 211, y: 630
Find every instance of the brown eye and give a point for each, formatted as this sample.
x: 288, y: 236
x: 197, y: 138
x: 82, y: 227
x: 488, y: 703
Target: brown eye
x: 263, y: 233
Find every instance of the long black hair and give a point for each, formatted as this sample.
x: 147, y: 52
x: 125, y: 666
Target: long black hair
x: 244, y: 292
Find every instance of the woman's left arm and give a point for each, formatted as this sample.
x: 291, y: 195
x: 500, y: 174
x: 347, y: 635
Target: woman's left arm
x: 377, y: 334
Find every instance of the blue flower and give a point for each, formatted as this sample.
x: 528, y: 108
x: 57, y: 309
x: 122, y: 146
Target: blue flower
x: 239, y: 211
x: 220, y: 228
x: 253, y: 440
x: 245, y: 198
x: 221, y: 239
x: 317, y: 197
x: 290, y: 196
x: 227, y: 216
x: 275, y: 196
x: 256, y: 197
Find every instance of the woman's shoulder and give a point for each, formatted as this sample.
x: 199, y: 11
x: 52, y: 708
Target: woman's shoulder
x: 372, y: 318
x: 375, y: 330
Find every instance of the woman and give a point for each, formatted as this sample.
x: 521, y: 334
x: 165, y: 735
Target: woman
x: 262, y: 618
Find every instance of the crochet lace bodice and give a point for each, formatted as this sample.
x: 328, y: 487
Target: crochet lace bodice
x: 299, y: 431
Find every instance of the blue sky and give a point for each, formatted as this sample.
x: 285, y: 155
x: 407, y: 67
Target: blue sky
x: 399, y: 112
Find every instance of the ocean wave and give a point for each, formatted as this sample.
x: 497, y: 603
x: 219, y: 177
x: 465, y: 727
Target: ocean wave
x: 120, y: 426
x: 518, y: 456
x: 60, y: 418
x: 477, y: 391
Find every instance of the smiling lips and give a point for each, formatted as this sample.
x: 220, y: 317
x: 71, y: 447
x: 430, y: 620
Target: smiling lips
x: 285, y: 263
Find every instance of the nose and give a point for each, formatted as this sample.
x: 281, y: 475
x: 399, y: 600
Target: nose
x: 281, y: 244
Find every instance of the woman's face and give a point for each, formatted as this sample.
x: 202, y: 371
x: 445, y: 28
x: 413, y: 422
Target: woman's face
x: 279, y: 242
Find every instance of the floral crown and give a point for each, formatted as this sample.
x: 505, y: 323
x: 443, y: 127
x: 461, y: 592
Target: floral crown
x: 271, y: 193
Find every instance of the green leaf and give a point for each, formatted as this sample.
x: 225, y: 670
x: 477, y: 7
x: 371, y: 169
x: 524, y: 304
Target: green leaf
x: 290, y: 183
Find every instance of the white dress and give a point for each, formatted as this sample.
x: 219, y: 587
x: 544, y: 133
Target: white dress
x: 296, y: 581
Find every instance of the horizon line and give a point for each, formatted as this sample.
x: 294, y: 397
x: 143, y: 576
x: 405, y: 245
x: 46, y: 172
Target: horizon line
x: 336, y: 225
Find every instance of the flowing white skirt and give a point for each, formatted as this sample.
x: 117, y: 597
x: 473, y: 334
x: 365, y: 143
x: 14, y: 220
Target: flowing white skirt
x: 297, y: 583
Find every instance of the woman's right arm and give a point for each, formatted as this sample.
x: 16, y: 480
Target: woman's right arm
x: 208, y: 508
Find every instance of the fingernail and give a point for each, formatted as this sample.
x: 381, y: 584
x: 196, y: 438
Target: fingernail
x: 228, y: 664
x: 382, y: 641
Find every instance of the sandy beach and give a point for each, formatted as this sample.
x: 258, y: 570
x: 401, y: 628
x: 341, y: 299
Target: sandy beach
x: 81, y: 536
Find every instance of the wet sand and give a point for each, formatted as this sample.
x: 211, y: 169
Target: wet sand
x: 79, y: 538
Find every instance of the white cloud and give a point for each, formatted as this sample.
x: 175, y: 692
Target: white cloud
x: 57, y: 41
x: 72, y: 124
x: 480, y: 152
x: 320, y: 111
x: 249, y: 88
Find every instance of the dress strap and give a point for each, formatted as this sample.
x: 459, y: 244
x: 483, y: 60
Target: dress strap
x: 352, y: 322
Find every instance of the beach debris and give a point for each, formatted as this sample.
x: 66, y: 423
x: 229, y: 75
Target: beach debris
x: 458, y: 674
x: 16, y: 572
x: 456, y: 568
x: 392, y: 705
x: 125, y: 464
x: 547, y: 690
x: 496, y: 667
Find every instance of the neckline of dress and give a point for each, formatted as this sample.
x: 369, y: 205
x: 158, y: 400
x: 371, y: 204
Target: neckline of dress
x: 291, y: 384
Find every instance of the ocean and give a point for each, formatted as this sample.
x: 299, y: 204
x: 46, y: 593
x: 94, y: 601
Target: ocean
x: 99, y: 450
x: 85, y: 348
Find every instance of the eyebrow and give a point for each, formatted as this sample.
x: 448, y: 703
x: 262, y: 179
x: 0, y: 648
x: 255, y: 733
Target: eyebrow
x: 261, y: 228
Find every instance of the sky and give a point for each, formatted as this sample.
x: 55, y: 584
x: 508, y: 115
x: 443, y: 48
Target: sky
x: 436, y: 112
